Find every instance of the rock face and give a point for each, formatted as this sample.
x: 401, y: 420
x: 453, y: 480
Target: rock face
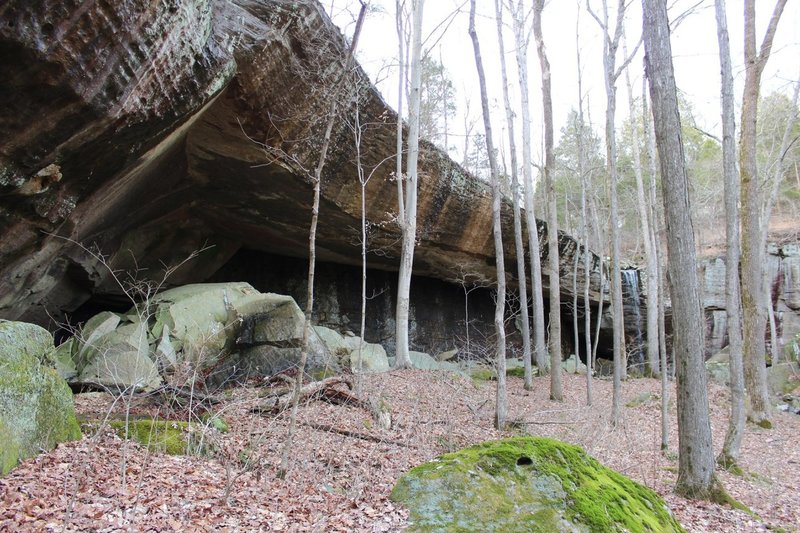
x: 527, y: 484
x: 135, y: 134
x: 783, y: 271
x: 36, y: 409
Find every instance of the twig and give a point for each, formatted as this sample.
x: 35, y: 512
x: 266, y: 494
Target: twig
x: 546, y: 422
x: 353, y: 434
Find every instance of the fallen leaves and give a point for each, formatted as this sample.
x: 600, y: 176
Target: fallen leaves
x: 343, y: 466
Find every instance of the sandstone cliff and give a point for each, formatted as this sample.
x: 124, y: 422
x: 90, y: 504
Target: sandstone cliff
x: 146, y: 131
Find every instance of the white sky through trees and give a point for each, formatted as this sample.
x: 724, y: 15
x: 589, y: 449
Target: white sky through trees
x: 693, y: 42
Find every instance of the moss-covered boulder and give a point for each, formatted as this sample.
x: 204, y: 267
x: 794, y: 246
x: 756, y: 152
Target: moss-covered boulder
x: 36, y: 409
x: 528, y: 484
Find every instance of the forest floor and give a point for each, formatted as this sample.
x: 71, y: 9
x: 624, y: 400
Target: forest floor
x: 343, y: 468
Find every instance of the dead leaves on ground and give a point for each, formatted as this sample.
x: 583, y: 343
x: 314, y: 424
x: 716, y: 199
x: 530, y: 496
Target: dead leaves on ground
x: 344, y: 466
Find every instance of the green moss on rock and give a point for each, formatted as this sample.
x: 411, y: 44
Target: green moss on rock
x: 528, y: 484
x: 36, y: 408
x: 172, y: 437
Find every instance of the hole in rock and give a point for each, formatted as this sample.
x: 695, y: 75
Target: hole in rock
x: 524, y: 461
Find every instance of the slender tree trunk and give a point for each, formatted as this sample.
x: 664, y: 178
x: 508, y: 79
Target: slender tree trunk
x: 409, y: 225
x: 602, y: 282
x: 655, y: 227
x: 312, y: 236
x: 610, y: 46
x: 556, y: 392
x: 695, y: 458
x: 363, y: 315
x: 662, y: 344
x: 587, y: 305
x: 576, y: 335
x: 647, y: 239
x: 733, y: 305
x: 521, y: 53
x: 501, y: 411
x: 753, y: 297
x: 518, y: 243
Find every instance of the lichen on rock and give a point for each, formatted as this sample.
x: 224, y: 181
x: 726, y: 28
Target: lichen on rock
x: 528, y: 484
x: 36, y: 409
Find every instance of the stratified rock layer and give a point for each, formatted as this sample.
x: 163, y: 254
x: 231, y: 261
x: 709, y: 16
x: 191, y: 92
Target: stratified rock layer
x: 135, y: 134
x: 782, y: 269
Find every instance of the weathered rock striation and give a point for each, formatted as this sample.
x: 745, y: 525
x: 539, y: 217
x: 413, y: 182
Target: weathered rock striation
x: 782, y: 276
x: 135, y: 134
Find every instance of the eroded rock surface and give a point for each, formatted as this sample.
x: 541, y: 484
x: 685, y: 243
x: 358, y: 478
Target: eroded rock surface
x: 144, y: 132
x: 783, y: 278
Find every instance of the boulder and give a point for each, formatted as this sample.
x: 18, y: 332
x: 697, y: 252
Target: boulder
x: 64, y: 357
x: 783, y: 378
x: 571, y: 363
x: 334, y: 341
x: 122, y: 367
x: 95, y: 328
x: 120, y: 360
x: 423, y: 361
x: 719, y: 372
x: 198, y: 317
x: 527, y: 484
x: 447, y: 355
x: 229, y: 331
x: 373, y: 356
x: 36, y: 408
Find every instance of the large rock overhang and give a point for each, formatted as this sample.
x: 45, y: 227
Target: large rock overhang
x: 134, y: 137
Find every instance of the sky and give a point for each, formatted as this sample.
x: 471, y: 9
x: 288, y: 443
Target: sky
x: 694, y: 46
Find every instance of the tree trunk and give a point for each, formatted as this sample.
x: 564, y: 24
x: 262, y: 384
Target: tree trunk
x: 518, y: 243
x: 362, y: 180
x: 501, y: 411
x: 610, y: 46
x: 650, y: 144
x: 753, y: 297
x: 556, y: 392
x: 521, y: 53
x: 312, y: 251
x: 409, y: 224
x: 733, y: 304
x: 587, y: 305
x: 647, y: 239
x: 695, y: 459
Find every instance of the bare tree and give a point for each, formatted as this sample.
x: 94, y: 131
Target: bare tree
x: 521, y: 39
x: 363, y: 180
x: 556, y: 392
x: 317, y: 180
x: 753, y: 294
x: 695, y: 460
x: 611, y: 72
x: 518, y: 244
x: 501, y: 411
x: 733, y: 303
x: 408, y: 213
x: 587, y: 304
x: 647, y: 238
x: 650, y: 144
